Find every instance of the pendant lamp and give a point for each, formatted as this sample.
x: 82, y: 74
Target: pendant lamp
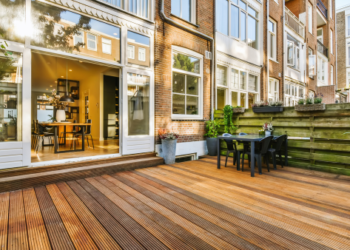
x: 66, y: 97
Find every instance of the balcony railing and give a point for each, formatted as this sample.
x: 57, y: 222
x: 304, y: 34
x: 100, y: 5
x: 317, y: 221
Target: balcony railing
x: 322, y: 8
x: 294, y: 23
x: 322, y: 49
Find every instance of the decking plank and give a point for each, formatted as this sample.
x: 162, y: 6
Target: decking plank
x: 17, y: 232
x: 78, y: 234
x: 117, y: 231
x: 37, y: 235
x: 4, y: 219
x: 134, y: 228
x: 59, y: 237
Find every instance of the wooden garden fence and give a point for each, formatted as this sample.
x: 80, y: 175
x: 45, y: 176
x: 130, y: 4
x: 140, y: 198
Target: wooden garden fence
x: 316, y: 139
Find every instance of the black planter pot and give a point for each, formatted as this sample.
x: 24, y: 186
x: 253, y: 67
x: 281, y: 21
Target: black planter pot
x: 268, y: 109
x: 212, y: 147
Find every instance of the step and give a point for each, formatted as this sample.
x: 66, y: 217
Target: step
x: 44, y: 175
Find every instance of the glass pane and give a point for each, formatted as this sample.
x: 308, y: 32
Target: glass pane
x: 54, y: 28
x: 252, y: 12
x: 11, y: 97
x: 243, y: 80
x: 243, y: 99
x: 186, y: 63
x: 12, y: 16
x: 192, y: 105
x: 253, y: 83
x: 220, y: 98
x: 222, y: 16
x: 243, y: 5
x: 243, y: 27
x: 114, y: 2
x: 234, y: 1
x: 138, y: 104
x: 234, y: 21
x: 139, y: 42
x: 234, y: 99
x: 192, y: 85
x: 270, y: 87
x: 186, y: 9
x: 272, y: 45
x: 252, y: 32
x: 176, y: 8
x: 179, y: 104
x: 234, y: 78
x: 251, y: 99
x: 271, y: 27
x: 221, y: 75
x: 178, y: 83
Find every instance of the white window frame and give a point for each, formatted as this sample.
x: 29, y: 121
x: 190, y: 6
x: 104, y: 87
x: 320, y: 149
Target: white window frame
x: 318, y: 37
x: 107, y: 42
x: 332, y: 75
x: 348, y: 54
x: 273, y: 34
x: 331, y: 9
x: 347, y: 78
x: 295, y: 64
x: 81, y: 36
x: 273, y: 92
x: 322, y: 70
x: 221, y: 72
x: 331, y: 41
x: 87, y: 41
x: 142, y: 56
x: 310, y: 17
x: 142, y: 12
x: 131, y: 48
x: 292, y: 96
x: 347, y: 26
x: 312, y: 58
x: 181, y: 50
x: 192, y: 11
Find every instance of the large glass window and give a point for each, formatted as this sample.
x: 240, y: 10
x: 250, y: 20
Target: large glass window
x: 273, y: 90
x: 10, y: 96
x: 222, y: 16
x: 12, y: 24
x: 221, y: 77
x: 312, y: 63
x: 321, y: 71
x: 139, y: 7
x: 234, y: 21
x: 186, y: 86
x: 221, y: 100
x: 234, y: 99
x: 234, y: 79
x: 309, y: 13
x: 182, y: 8
x: 138, y: 45
x: 59, y: 29
x: 293, y: 52
x: 138, y: 104
x: 293, y: 93
x: 348, y: 26
x: 272, y: 40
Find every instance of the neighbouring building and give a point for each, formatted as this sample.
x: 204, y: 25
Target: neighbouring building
x: 184, y: 39
x: 343, y: 53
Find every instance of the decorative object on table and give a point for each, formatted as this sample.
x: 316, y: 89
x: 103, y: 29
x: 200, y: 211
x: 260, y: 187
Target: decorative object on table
x: 238, y: 109
x: 169, y: 141
x: 212, y: 127
x: 268, y: 128
x: 311, y: 104
x: 60, y: 106
x: 265, y: 107
x: 228, y: 122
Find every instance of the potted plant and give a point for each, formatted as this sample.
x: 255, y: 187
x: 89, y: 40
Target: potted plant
x: 238, y: 109
x: 212, y: 133
x: 265, y: 107
x: 169, y: 141
x: 268, y: 128
x: 228, y: 121
x: 310, y: 104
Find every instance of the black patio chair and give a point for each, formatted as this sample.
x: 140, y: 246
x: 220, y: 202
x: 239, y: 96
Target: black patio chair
x: 279, y: 141
x: 231, y: 148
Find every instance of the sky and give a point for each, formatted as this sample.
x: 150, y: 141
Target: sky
x: 341, y: 3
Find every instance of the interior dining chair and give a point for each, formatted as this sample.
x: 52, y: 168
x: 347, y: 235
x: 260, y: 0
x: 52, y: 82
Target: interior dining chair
x: 87, y: 134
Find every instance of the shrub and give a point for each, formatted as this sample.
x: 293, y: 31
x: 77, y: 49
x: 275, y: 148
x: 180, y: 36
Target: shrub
x: 212, y: 128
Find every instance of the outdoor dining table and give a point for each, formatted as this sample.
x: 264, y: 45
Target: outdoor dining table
x: 55, y: 125
x: 252, y: 138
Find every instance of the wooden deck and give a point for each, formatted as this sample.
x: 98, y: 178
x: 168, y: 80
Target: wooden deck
x: 189, y: 205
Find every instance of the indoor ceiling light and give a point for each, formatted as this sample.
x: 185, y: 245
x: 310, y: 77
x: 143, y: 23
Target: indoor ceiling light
x: 70, y: 70
x: 67, y: 97
x: 80, y: 61
x: 62, y: 76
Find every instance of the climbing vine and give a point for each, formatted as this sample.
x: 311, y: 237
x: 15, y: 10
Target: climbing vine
x: 228, y: 114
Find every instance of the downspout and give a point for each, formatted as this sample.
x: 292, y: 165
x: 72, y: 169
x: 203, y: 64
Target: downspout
x: 267, y: 50
x: 283, y: 48
x: 199, y: 34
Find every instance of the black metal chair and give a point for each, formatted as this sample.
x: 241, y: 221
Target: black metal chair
x: 260, y: 151
x: 87, y: 134
x: 231, y: 148
x: 279, y: 141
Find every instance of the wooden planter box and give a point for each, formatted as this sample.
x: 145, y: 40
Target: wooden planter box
x: 268, y: 109
x: 238, y: 110
x: 310, y: 107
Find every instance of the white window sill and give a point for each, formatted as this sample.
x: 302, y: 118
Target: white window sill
x: 186, y: 118
x: 293, y: 68
x: 274, y: 60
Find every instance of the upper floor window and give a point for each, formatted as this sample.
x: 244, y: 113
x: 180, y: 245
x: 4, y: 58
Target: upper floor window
x: 310, y: 17
x: 332, y: 76
x: 348, y: 53
x: 131, y: 52
x: 312, y: 63
x: 348, y: 79
x: 273, y: 90
x: 293, y: 52
x: 221, y: 77
x: 91, y: 42
x: 331, y: 9
x: 142, y: 54
x: 140, y: 45
x: 184, y: 9
x: 243, y: 21
x: 12, y: 16
x: 348, y: 24
x: 331, y: 40
x: 321, y: 71
x: 139, y: 7
x: 78, y: 38
x: 106, y: 46
x: 272, y: 40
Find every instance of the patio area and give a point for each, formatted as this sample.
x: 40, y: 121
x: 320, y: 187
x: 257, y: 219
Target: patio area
x: 189, y: 205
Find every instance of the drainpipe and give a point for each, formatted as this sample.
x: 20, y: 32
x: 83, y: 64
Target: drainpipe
x: 267, y: 49
x: 199, y: 34
x: 283, y: 47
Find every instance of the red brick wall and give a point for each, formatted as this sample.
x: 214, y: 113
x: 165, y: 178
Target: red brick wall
x: 166, y: 36
x: 328, y: 93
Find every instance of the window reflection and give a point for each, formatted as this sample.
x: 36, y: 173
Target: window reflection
x: 59, y: 29
x: 12, y: 16
x: 186, y: 63
x: 138, y: 51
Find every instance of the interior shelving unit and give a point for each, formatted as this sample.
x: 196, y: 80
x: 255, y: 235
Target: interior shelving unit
x: 116, y: 112
x: 8, y: 111
x: 72, y: 112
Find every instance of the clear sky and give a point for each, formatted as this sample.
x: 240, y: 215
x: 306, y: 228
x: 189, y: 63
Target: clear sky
x: 341, y: 3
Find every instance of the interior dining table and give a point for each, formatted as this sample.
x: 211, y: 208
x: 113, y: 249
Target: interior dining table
x: 56, y: 125
x: 253, y: 139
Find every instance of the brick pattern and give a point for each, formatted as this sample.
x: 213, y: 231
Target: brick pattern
x: 326, y: 91
x: 166, y: 36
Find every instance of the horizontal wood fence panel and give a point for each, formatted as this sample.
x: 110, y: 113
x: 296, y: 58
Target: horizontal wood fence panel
x: 316, y: 139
